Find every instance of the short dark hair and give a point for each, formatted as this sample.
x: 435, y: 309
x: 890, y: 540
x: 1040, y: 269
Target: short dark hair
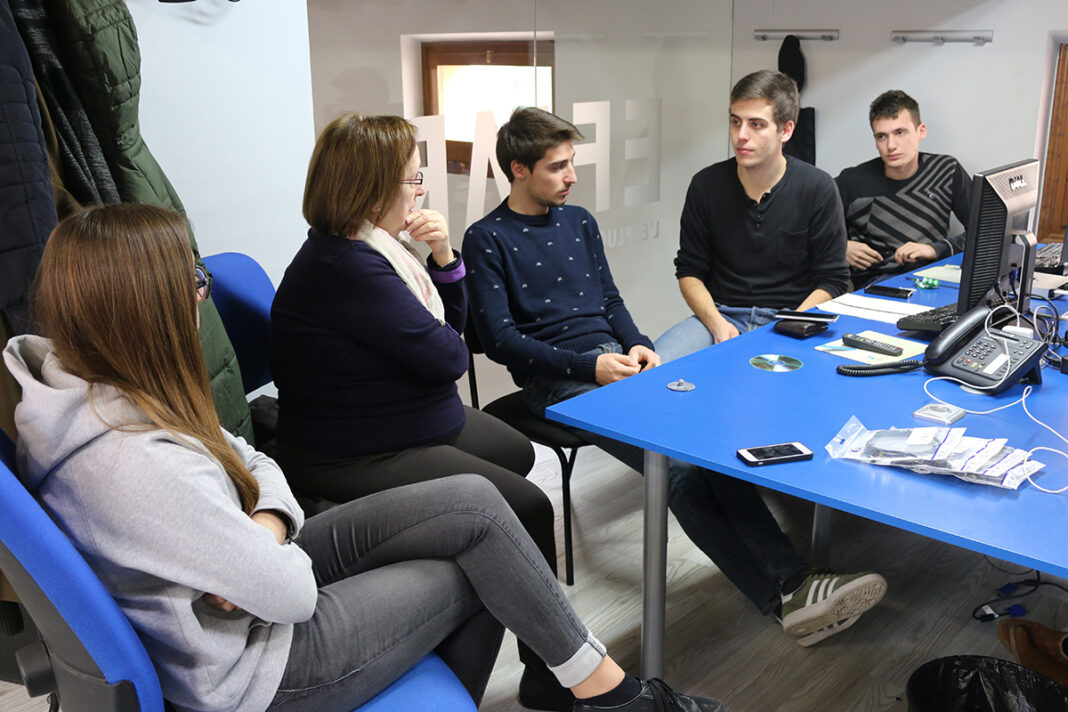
x: 529, y: 133
x: 891, y: 103
x: 775, y: 87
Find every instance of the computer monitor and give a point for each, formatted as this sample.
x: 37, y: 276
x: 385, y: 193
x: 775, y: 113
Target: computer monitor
x: 999, y: 255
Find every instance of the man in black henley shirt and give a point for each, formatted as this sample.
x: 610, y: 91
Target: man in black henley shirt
x: 760, y: 231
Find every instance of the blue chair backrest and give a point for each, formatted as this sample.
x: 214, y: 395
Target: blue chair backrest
x: 79, y: 621
x: 243, y: 293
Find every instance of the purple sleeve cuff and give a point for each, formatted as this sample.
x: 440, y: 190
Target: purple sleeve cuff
x: 452, y: 272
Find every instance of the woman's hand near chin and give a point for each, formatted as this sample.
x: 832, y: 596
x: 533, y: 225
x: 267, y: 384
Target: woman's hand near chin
x: 219, y: 603
x: 429, y: 226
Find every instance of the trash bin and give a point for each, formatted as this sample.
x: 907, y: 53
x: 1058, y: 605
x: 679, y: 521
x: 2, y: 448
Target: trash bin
x: 973, y: 683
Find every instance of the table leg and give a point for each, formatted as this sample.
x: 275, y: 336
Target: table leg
x: 822, y: 521
x: 655, y: 564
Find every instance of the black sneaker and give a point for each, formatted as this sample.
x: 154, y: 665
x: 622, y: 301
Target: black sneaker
x: 656, y: 696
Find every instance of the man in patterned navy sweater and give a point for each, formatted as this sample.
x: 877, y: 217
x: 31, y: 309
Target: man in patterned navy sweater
x: 545, y: 306
x: 897, y: 206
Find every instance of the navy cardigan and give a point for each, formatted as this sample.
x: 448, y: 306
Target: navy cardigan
x: 361, y: 366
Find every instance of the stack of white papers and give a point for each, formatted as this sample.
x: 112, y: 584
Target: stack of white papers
x: 887, y: 311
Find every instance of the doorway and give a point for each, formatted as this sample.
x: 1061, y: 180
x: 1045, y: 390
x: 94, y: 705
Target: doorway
x: 1053, y: 213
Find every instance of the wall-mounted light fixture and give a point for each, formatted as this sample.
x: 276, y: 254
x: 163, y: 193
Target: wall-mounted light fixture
x: 938, y: 37
x: 825, y: 35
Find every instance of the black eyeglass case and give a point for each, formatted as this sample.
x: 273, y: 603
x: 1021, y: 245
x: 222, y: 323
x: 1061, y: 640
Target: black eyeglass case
x: 799, y: 329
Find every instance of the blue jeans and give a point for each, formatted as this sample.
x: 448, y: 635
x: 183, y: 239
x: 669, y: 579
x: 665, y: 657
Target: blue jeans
x: 725, y: 517
x: 690, y: 335
x: 428, y: 566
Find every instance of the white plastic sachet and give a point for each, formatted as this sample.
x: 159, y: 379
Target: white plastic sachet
x: 936, y: 450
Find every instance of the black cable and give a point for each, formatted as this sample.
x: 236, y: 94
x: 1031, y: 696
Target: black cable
x: 1051, y: 335
x: 881, y: 369
x: 991, y: 564
x: 1036, y: 582
x: 1033, y: 585
x: 1011, y: 597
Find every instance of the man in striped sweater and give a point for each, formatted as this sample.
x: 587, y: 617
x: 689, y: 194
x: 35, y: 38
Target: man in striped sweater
x: 897, y: 206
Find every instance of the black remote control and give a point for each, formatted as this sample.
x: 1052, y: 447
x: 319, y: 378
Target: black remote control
x: 881, y: 290
x: 863, y: 342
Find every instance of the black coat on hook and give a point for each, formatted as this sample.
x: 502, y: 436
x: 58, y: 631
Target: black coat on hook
x: 792, y: 64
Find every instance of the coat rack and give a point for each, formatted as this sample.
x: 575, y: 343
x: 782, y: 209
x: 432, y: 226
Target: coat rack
x: 939, y: 37
x: 825, y: 35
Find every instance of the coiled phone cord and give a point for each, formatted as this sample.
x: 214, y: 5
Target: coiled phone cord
x: 880, y: 369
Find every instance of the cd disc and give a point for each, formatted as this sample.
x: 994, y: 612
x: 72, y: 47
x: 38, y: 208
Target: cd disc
x: 776, y: 363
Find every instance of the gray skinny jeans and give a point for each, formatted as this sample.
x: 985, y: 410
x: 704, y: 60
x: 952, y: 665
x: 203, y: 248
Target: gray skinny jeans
x: 415, y: 569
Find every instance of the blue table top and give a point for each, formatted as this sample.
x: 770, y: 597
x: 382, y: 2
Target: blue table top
x: 945, y: 293
x: 735, y: 405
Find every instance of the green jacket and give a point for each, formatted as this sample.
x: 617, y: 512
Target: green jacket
x: 98, y: 43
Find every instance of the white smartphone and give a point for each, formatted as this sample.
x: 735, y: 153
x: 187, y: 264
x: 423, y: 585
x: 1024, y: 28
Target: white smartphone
x: 774, y: 454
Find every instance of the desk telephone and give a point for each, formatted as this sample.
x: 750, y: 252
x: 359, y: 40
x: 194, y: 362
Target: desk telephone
x: 966, y: 352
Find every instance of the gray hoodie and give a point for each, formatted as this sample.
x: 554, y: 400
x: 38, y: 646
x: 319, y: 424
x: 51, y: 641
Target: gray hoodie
x: 160, y: 523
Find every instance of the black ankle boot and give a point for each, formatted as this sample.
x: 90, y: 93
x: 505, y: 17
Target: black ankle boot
x: 655, y: 696
x: 540, y: 690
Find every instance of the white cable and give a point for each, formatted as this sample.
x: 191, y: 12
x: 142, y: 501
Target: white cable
x: 1031, y: 452
x: 1005, y: 345
x: 1022, y: 400
x: 972, y: 412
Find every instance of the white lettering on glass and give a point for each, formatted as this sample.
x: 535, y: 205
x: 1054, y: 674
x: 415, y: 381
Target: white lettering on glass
x: 482, y: 152
x: 597, y: 152
x: 647, y: 148
x: 431, y: 129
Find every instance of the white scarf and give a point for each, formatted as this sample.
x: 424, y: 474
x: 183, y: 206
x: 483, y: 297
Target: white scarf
x: 407, y: 265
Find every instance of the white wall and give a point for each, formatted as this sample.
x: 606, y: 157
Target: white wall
x: 985, y: 105
x: 226, y: 108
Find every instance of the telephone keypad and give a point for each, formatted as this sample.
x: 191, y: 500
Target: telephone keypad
x: 987, y: 356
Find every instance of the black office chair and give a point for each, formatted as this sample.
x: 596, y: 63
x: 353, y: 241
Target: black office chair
x: 561, y: 440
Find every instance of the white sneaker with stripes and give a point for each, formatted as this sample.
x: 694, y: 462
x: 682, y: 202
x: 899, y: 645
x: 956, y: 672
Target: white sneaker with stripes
x: 823, y: 633
x: 827, y: 598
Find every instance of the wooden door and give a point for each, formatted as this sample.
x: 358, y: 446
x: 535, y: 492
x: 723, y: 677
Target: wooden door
x: 1053, y: 214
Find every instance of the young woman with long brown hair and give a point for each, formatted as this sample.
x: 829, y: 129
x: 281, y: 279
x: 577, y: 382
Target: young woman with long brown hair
x: 241, y: 604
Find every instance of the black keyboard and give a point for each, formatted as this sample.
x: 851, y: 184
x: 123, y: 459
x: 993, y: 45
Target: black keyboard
x: 1048, y: 258
x: 935, y: 319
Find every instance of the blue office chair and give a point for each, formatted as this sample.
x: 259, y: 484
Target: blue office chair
x: 243, y: 293
x: 89, y: 655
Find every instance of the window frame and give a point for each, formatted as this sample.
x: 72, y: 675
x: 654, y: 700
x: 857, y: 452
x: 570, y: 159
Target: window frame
x: 509, y: 53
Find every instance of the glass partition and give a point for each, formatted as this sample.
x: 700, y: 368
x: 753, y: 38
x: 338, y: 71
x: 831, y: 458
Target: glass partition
x: 647, y: 84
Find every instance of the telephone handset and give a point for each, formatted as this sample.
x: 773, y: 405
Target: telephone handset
x: 993, y: 361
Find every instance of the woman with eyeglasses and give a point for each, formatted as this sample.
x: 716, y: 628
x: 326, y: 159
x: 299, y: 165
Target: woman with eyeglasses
x: 366, y: 347
x: 241, y: 604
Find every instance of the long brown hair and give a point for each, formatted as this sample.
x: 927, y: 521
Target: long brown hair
x: 115, y: 293
x: 355, y: 171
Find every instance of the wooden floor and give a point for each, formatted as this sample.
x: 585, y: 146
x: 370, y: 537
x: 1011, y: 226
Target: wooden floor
x: 718, y: 645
